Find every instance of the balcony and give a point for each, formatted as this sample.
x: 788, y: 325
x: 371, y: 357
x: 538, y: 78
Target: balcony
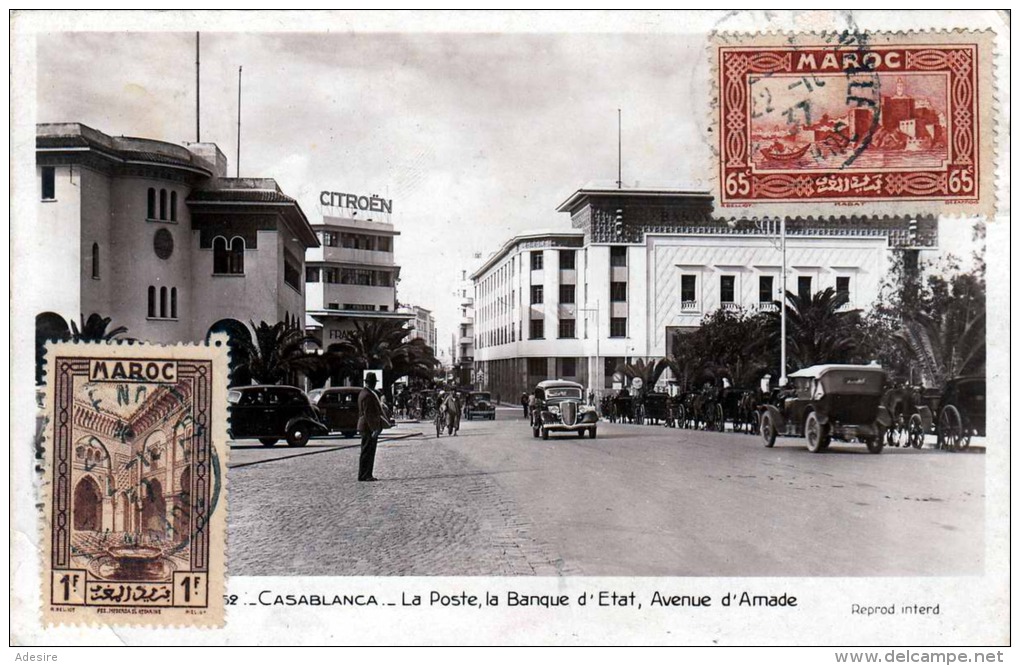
x: 689, y: 306
x: 730, y: 306
x: 766, y: 306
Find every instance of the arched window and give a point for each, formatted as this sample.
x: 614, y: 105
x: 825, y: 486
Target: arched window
x: 162, y: 204
x: 173, y: 303
x: 152, y: 301
x: 173, y: 206
x: 95, y: 261
x: 220, y: 261
x: 162, y: 302
x: 237, y: 255
x: 151, y: 209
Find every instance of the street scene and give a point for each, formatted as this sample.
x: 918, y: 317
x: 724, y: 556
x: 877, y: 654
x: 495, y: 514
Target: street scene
x: 639, y: 500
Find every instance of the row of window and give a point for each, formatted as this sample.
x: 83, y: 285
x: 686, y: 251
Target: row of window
x: 228, y: 258
x: 766, y: 291
x: 167, y: 205
x: 568, y: 328
x: 355, y: 241
x: 360, y: 307
x: 568, y: 260
x: 162, y: 303
x: 355, y: 276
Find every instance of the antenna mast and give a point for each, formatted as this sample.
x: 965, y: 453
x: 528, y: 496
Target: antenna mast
x: 198, y: 91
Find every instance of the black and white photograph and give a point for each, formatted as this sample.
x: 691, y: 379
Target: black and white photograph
x: 544, y: 328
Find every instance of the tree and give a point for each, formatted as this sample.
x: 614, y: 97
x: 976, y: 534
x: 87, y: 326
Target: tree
x: 818, y: 329
x: 384, y: 344
x: 729, y: 343
x: 49, y: 326
x: 273, y: 353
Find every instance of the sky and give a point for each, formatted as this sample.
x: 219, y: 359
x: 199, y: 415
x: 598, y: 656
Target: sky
x: 474, y: 137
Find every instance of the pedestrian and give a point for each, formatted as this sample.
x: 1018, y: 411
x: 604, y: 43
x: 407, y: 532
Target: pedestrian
x: 524, y: 403
x: 371, y: 421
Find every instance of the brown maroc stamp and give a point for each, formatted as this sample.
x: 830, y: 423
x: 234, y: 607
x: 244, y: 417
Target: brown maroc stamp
x: 134, y: 487
x: 893, y: 123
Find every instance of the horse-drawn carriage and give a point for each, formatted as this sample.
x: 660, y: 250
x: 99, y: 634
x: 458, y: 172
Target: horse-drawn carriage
x: 953, y: 414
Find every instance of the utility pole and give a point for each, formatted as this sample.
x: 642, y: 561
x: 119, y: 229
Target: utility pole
x: 782, y: 345
x: 619, y: 150
x: 198, y: 91
x: 239, y: 68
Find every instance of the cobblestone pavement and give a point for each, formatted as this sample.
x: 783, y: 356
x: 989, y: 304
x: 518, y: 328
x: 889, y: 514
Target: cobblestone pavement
x: 431, y: 513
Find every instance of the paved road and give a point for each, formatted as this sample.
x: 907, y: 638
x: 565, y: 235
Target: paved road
x: 639, y: 500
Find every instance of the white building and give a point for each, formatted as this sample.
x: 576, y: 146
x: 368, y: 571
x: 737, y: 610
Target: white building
x: 641, y: 264
x: 463, y: 349
x: 154, y: 236
x: 351, y: 276
x: 424, y: 325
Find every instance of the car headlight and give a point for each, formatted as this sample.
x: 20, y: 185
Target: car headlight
x: 555, y: 409
x: 819, y: 392
x: 585, y: 408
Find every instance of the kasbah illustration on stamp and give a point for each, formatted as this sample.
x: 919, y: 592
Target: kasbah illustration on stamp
x: 854, y: 119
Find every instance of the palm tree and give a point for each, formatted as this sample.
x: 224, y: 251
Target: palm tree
x: 818, y: 329
x: 50, y: 326
x: 946, y: 346
x: 383, y: 344
x: 275, y: 352
x: 647, y: 371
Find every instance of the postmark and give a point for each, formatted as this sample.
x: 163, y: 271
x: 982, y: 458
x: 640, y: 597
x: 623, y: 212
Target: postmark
x: 884, y: 123
x: 134, y: 486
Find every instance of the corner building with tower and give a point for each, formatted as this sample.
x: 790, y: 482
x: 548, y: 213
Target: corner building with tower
x: 639, y: 265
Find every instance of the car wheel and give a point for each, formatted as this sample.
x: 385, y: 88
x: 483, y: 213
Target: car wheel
x: 816, y: 434
x: 297, y: 435
x: 593, y: 433
x: 545, y: 433
x: 268, y: 441
x: 580, y: 433
x: 767, y: 430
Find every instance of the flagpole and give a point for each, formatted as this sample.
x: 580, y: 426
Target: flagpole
x: 239, y: 68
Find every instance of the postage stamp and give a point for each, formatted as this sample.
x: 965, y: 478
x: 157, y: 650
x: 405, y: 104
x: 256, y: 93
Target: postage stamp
x: 888, y: 123
x: 134, y: 487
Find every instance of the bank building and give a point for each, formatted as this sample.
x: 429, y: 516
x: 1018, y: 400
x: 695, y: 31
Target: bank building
x: 637, y: 265
x: 155, y: 236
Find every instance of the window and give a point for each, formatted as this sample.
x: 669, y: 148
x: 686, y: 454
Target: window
x: 536, y: 367
x: 152, y: 302
x: 568, y: 367
x: 567, y: 293
x: 537, y: 294
x: 150, y: 213
x: 804, y: 286
x: 311, y: 274
x: 618, y: 255
x: 567, y: 260
x: 688, y: 290
x: 162, y: 204
x: 618, y: 292
x: 173, y: 303
x: 291, y: 270
x: 95, y: 261
x: 568, y: 328
x: 727, y: 288
x: 765, y: 292
x: 537, y: 329
x: 162, y: 303
x: 609, y: 365
x: 536, y: 260
x: 333, y: 306
x: 228, y: 259
x: 173, y: 206
x: 617, y: 327
x: 463, y: 330
x: 843, y: 288
x: 49, y: 183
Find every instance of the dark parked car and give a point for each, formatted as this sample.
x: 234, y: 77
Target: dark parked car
x: 479, y: 404
x: 560, y: 407
x: 830, y: 401
x: 338, y: 408
x: 269, y: 413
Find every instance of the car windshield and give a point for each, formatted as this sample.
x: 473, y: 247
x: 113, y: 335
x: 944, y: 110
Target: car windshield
x: 479, y: 396
x: 563, y: 392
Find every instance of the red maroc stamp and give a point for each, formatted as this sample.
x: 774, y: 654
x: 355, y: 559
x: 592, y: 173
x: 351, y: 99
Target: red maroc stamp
x: 878, y: 120
x: 134, y: 502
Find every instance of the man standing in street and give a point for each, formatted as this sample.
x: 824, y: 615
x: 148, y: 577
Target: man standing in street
x: 371, y: 420
x: 524, y: 403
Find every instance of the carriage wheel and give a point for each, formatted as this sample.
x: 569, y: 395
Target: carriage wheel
x: 755, y: 423
x: 720, y: 418
x: 767, y: 430
x: 915, y: 432
x: 681, y: 417
x: 950, y: 428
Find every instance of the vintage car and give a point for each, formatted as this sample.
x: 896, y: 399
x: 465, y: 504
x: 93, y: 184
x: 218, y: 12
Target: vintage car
x: 269, y: 413
x: 338, y: 408
x: 824, y: 402
x: 479, y: 405
x: 560, y: 407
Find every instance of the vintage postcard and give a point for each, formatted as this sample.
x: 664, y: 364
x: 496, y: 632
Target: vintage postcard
x: 857, y: 122
x: 534, y: 327
x: 134, y: 482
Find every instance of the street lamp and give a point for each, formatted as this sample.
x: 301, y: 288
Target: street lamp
x: 598, y: 383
